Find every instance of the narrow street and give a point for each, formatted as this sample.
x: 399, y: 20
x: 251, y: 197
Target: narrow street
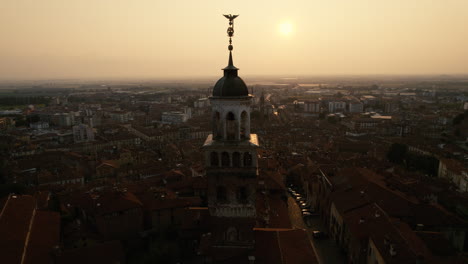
x: 326, y: 250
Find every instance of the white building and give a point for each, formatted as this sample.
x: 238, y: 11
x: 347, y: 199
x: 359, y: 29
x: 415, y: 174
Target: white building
x: 121, y: 116
x: 63, y: 119
x: 201, y: 103
x: 336, y: 106
x: 312, y: 106
x: 174, y: 117
x: 82, y: 133
x: 355, y: 107
x: 39, y: 125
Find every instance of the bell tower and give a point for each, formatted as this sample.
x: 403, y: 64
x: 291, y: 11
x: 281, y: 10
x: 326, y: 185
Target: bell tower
x: 231, y: 159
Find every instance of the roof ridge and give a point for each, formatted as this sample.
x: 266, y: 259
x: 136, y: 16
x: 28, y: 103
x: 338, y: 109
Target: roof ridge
x: 5, y: 205
x: 26, y: 243
x: 279, y: 246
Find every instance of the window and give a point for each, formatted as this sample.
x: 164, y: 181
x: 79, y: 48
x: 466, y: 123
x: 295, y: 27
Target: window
x: 217, y: 126
x: 243, y: 125
x: 247, y: 159
x: 221, y: 194
x: 241, y: 195
x: 225, y: 161
x: 231, y: 126
x: 236, y: 159
x: 231, y: 234
x: 214, y: 159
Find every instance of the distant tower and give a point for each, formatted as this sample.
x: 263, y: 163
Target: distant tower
x: 231, y: 159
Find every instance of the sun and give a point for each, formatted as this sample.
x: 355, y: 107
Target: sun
x: 285, y: 28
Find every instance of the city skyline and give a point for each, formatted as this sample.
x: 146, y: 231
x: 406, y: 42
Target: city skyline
x: 146, y: 39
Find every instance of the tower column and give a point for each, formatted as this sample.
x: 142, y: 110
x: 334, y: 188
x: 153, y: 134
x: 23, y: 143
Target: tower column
x: 247, y: 127
x: 238, y: 122
x: 223, y: 125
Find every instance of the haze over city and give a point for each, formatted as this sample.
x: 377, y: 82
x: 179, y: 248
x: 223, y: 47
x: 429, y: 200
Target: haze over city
x: 158, y: 39
x: 129, y: 135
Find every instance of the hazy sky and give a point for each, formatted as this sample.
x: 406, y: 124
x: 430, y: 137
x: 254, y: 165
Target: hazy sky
x: 178, y: 38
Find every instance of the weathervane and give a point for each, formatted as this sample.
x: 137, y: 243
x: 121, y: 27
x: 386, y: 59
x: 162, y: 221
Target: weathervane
x: 230, y: 30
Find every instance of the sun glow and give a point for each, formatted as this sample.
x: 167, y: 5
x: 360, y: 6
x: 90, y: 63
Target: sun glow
x: 285, y: 28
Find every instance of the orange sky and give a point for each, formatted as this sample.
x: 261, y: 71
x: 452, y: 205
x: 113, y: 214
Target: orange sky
x: 186, y: 38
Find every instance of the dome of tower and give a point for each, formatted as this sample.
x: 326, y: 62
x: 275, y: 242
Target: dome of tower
x: 230, y: 86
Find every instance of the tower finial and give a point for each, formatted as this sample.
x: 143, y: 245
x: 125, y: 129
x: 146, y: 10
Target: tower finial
x: 230, y: 30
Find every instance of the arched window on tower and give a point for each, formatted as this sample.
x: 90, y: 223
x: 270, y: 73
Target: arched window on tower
x: 231, y: 126
x: 243, y: 125
x: 221, y: 194
x: 217, y: 126
x: 214, y: 158
x: 247, y: 159
x: 232, y: 234
x: 236, y: 159
x: 225, y: 161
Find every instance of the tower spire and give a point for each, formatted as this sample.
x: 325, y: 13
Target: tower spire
x: 230, y: 30
x: 230, y: 33
x: 230, y: 84
x: 230, y: 63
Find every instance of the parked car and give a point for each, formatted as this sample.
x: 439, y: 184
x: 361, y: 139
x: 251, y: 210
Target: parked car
x: 300, y: 199
x: 306, y: 212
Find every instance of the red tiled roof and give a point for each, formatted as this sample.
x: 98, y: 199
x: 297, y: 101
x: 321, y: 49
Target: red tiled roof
x: 106, y: 253
x: 42, y: 198
x: 104, y: 202
x: 15, y: 219
x: 44, y: 236
x: 116, y: 201
x: 283, y: 247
